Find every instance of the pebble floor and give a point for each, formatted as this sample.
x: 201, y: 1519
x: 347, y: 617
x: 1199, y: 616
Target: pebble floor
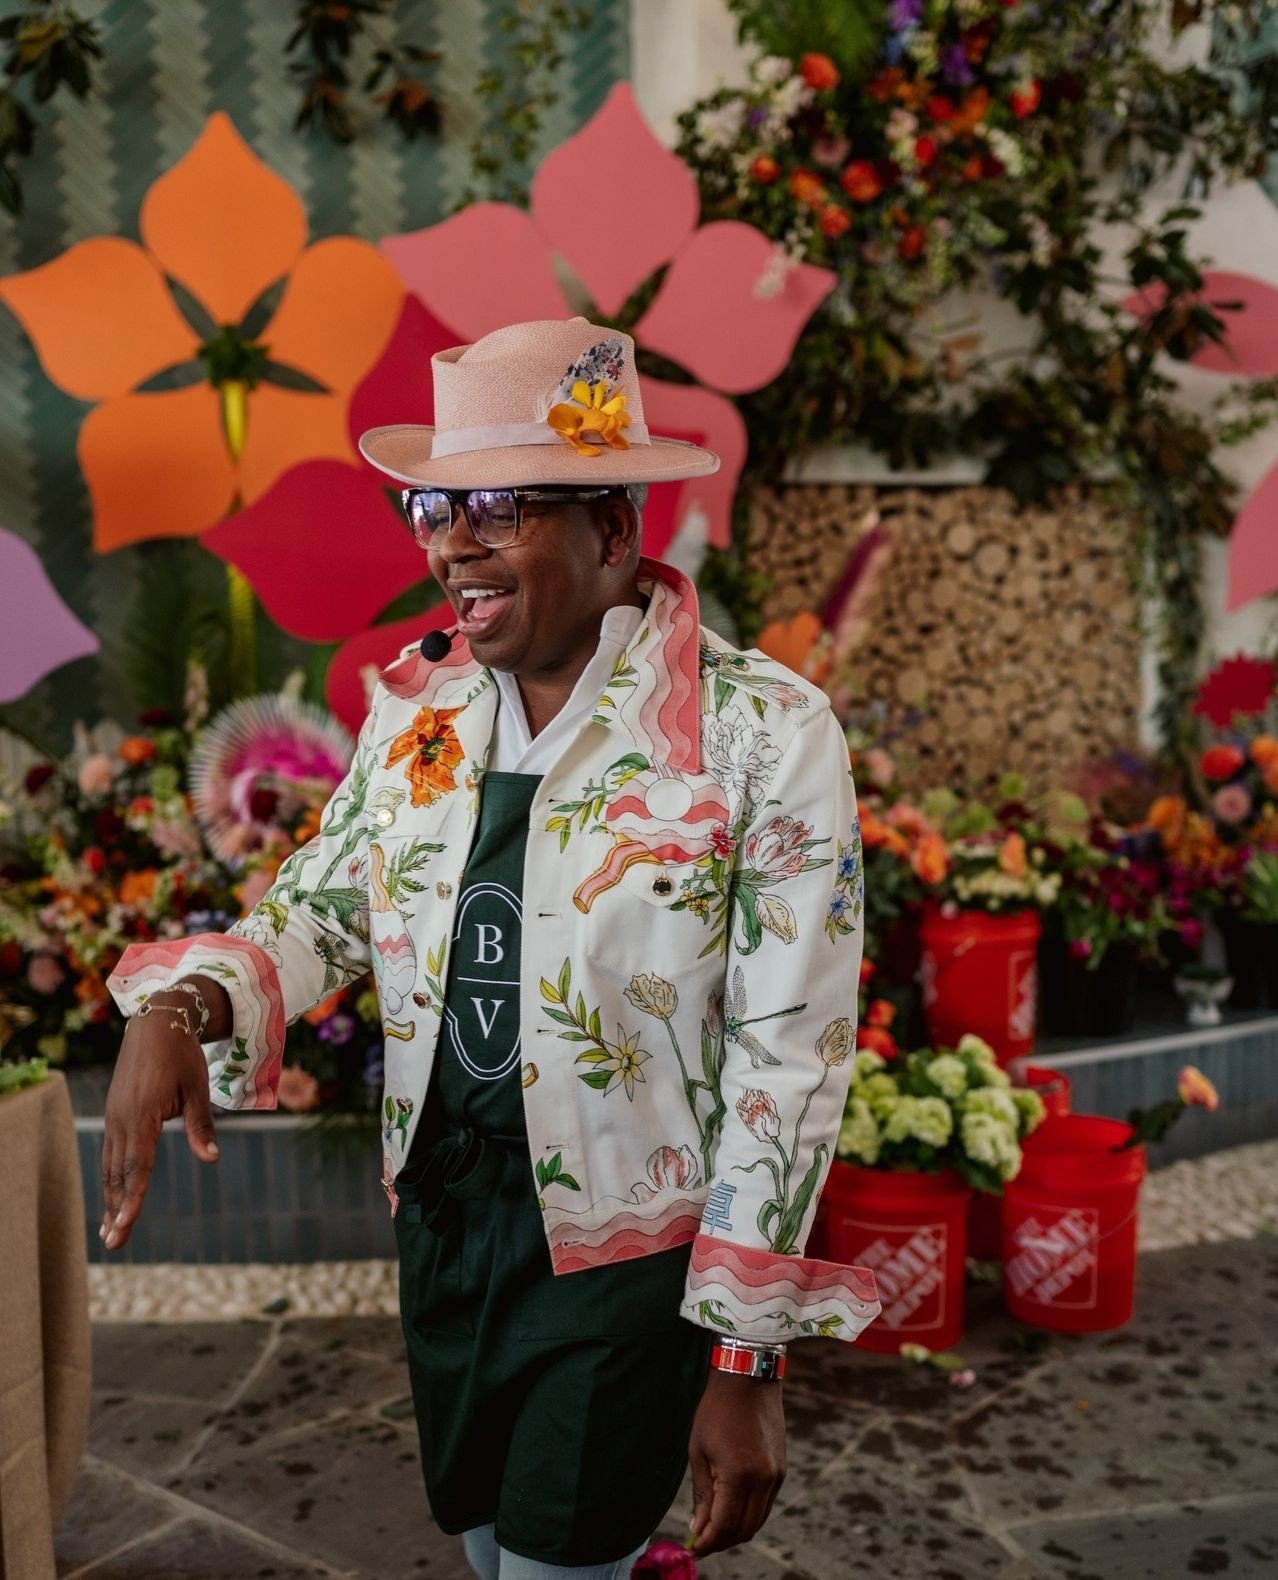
x: 283, y: 1447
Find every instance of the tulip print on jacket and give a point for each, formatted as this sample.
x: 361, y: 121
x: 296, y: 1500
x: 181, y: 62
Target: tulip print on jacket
x: 687, y: 997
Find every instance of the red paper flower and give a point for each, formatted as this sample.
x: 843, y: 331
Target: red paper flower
x: 835, y: 221
x: 1221, y: 762
x: 861, y: 181
x: 764, y: 170
x: 1237, y: 685
x: 1025, y: 101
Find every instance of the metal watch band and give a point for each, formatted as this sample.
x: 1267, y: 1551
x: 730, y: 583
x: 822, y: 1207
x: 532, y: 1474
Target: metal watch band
x: 764, y: 1362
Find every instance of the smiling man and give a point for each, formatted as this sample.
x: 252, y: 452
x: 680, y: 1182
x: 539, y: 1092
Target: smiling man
x: 607, y: 873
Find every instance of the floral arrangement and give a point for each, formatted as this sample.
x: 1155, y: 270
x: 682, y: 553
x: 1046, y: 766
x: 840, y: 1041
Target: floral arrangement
x: 939, y: 1109
x: 177, y: 830
x: 1114, y: 889
x: 920, y: 147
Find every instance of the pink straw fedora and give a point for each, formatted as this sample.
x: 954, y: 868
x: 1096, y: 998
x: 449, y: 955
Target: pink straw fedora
x: 550, y: 402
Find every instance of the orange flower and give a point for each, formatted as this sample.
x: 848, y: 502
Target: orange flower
x: 1221, y: 762
x: 170, y: 463
x: 882, y: 87
x: 868, y: 968
x: 972, y: 111
x: 430, y: 743
x: 308, y: 827
x: 136, y: 749
x: 807, y: 188
x: 1269, y: 777
x: 882, y: 1012
x: 1167, y: 814
x: 835, y: 221
x: 137, y: 888
x: 819, y: 72
x: 1264, y: 751
x: 860, y: 180
x: 591, y: 419
x: 930, y: 860
x: 764, y: 169
x: 877, y: 1040
x: 326, y: 1007
x: 1011, y: 857
x: 1196, y: 1091
x: 92, y: 996
x: 876, y: 832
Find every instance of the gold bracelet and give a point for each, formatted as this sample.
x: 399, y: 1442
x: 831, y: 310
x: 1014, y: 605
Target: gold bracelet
x: 179, y: 1012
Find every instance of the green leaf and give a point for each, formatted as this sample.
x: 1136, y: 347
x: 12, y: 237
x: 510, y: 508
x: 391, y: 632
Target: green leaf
x: 565, y: 982
x: 596, y: 1026
x: 758, y: 704
x: 567, y: 1181
x: 597, y: 1078
x: 549, y: 992
x: 788, y: 1228
x: 722, y: 692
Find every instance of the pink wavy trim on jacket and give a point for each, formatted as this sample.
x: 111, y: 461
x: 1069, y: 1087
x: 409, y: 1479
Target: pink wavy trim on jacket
x: 412, y: 676
x: 627, y: 1235
x: 753, y: 1277
x: 145, y: 967
x: 671, y: 714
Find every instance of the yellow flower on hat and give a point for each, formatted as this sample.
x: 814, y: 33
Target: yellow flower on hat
x: 592, y: 419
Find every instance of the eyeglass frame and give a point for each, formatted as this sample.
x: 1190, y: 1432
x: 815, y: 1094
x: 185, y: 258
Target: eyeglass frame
x: 520, y: 495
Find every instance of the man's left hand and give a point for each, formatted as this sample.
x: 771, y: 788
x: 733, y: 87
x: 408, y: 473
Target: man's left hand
x: 737, y: 1455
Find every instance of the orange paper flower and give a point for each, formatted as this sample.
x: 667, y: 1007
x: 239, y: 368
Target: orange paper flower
x: 136, y: 888
x: 1264, y: 751
x: 433, y: 751
x: 1196, y: 1091
x: 220, y: 223
x: 592, y: 420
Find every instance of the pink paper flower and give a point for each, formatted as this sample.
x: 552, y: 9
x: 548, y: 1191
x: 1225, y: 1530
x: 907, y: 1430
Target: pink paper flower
x: 298, y: 1089
x: 614, y: 234
x: 1231, y: 803
x: 45, y: 974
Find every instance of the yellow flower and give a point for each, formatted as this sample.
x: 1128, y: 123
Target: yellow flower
x: 653, y: 995
x: 591, y: 420
x: 836, y: 1041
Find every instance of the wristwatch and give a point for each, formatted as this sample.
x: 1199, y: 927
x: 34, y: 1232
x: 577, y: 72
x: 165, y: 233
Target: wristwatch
x: 748, y: 1358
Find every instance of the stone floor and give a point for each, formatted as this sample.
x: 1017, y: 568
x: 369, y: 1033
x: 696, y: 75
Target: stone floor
x: 285, y: 1448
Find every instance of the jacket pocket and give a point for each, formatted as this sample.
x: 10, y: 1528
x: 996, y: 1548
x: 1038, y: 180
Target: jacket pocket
x: 431, y: 1296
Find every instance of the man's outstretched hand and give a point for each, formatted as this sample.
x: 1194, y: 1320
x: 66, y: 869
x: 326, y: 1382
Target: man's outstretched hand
x: 161, y: 1072
x: 737, y: 1455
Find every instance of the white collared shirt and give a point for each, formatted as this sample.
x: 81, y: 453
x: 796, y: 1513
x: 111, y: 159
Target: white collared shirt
x: 514, y: 750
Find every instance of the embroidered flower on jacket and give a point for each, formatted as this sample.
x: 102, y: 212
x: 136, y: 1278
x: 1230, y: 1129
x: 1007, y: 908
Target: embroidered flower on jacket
x: 778, y: 851
x: 743, y: 759
x: 669, y: 1168
x: 758, y: 1113
x: 433, y: 751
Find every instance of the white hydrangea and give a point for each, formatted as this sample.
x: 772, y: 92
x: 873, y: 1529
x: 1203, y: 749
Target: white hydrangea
x: 926, y: 1119
x: 867, y: 1063
x: 993, y: 1100
x: 879, y: 1091
x: 988, y: 1140
x: 1031, y: 1108
x: 977, y: 1048
x: 1007, y: 150
x: 771, y: 70
x: 792, y: 96
x: 948, y: 1075
x: 719, y: 128
x: 859, y: 1137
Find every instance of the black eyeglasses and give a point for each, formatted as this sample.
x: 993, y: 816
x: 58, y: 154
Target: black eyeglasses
x: 494, y: 515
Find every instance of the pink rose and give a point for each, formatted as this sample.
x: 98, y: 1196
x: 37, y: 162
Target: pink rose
x: 1080, y: 948
x: 45, y: 974
x: 298, y: 1089
x: 1231, y: 803
x: 665, y: 1560
x: 96, y: 775
x: 880, y: 766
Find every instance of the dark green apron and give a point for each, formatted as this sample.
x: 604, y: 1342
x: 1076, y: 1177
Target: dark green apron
x: 558, y: 1408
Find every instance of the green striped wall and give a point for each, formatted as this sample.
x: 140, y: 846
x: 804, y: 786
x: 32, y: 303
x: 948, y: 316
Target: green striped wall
x: 169, y: 64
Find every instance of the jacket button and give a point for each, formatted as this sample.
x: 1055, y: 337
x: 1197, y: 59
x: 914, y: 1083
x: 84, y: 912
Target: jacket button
x: 443, y: 890
x: 662, y: 885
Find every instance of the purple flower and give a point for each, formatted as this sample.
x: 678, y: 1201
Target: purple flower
x: 955, y: 68
x: 755, y: 119
x: 904, y: 13
x: 374, y: 1065
x: 339, y: 1028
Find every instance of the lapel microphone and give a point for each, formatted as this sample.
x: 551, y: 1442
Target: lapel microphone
x: 435, y: 644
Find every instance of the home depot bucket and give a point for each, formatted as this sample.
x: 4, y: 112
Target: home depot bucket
x: 980, y: 974
x: 985, y: 1216
x: 910, y: 1230
x: 1069, y: 1226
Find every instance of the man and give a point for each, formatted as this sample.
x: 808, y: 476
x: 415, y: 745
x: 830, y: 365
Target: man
x: 607, y: 873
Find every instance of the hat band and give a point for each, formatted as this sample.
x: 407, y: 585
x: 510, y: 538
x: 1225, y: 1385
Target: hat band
x: 503, y: 435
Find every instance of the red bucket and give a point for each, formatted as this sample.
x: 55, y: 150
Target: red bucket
x: 985, y: 1219
x: 980, y: 974
x: 1069, y: 1226
x: 910, y: 1230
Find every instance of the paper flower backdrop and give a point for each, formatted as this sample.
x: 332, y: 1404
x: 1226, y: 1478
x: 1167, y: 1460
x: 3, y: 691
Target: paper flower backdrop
x: 614, y: 206
x: 1250, y: 351
x: 38, y: 633
x: 105, y: 322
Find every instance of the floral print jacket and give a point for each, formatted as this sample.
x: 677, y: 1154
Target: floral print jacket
x: 693, y: 890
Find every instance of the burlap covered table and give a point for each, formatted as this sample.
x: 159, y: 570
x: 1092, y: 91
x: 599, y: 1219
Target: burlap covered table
x: 44, y: 1324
